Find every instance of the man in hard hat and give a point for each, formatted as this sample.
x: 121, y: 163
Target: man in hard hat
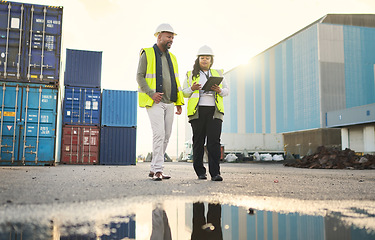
x: 159, y: 91
x: 205, y: 111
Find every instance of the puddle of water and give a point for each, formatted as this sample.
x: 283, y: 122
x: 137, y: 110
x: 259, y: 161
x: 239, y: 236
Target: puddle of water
x: 203, y: 218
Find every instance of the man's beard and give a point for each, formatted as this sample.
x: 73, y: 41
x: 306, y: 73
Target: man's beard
x: 167, y: 46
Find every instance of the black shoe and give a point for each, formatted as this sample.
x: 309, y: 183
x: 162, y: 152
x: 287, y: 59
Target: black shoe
x: 217, y: 178
x: 202, y: 177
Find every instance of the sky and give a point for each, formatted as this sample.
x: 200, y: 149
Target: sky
x: 236, y: 30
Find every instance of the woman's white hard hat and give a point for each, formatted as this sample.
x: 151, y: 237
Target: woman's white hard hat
x: 205, y: 51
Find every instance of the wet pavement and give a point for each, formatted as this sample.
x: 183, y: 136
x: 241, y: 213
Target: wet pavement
x: 255, y: 201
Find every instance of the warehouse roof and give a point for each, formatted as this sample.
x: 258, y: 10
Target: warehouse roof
x: 361, y: 20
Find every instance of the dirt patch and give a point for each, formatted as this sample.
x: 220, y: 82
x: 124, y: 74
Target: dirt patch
x: 331, y: 158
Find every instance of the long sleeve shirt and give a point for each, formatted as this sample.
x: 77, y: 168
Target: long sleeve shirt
x: 208, y: 98
x: 141, y: 73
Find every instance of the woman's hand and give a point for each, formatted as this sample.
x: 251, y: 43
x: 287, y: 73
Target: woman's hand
x: 196, y: 86
x: 216, y: 88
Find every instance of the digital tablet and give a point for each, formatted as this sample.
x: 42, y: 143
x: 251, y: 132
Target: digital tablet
x: 210, y: 82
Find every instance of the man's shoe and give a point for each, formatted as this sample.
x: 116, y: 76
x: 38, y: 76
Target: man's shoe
x: 217, y: 178
x: 202, y: 177
x: 164, y: 176
x: 151, y: 174
x: 157, y: 176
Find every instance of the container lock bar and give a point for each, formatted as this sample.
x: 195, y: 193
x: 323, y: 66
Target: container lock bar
x: 15, y: 123
x: 26, y: 117
x: 2, y: 118
x: 20, y: 46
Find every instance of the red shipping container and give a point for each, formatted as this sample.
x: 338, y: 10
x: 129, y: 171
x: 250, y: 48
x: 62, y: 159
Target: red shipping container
x: 80, y: 144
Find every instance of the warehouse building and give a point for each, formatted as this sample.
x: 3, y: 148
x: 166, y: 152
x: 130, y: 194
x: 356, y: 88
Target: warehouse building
x: 316, y: 87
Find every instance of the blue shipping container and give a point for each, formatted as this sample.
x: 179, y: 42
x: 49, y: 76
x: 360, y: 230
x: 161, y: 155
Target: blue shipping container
x: 119, y: 108
x: 30, y: 42
x: 28, y: 122
x: 82, y: 106
x: 118, y: 145
x: 83, y: 68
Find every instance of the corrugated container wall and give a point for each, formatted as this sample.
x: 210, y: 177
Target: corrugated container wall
x: 28, y: 124
x: 82, y: 106
x: 118, y: 145
x: 290, y: 86
x: 80, y: 144
x: 83, y: 68
x: 30, y: 42
x: 119, y: 108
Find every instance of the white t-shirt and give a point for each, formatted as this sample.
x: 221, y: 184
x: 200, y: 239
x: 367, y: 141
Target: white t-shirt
x: 205, y: 98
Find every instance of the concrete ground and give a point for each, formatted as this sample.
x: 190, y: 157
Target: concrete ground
x: 72, y: 183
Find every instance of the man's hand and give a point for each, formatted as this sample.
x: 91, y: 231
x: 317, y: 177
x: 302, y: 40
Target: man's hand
x: 179, y: 110
x: 157, y: 97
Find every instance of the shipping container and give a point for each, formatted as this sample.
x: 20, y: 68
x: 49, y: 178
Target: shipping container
x: 80, y: 144
x: 118, y: 145
x: 82, y: 106
x: 30, y: 42
x: 119, y: 108
x: 83, y: 68
x: 28, y: 122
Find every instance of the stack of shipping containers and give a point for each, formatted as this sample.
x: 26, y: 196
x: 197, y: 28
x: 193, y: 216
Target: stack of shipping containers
x: 30, y: 47
x: 81, y: 108
x: 119, y: 127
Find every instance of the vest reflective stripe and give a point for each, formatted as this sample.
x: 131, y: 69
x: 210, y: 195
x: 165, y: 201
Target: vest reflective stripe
x: 194, y: 98
x: 143, y: 99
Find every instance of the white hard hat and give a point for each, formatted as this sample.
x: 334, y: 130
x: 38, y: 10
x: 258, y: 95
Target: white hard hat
x: 205, y: 51
x: 164, y: 27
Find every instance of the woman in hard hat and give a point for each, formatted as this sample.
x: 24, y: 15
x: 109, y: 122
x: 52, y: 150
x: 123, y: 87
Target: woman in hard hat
x: 205, y: 111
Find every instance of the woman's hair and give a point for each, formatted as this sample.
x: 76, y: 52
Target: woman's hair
x: 197, y: 68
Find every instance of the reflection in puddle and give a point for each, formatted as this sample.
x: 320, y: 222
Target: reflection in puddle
x: 178, y: 218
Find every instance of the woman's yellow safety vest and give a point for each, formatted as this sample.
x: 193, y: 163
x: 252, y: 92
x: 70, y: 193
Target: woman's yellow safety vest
x: 194, y: 98
x: 143, y: 99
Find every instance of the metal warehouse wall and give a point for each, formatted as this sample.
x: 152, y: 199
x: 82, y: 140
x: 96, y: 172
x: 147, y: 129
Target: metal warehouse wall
x: 290, y: 86
x: 278, y: 91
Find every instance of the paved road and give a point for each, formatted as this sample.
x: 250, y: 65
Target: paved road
x: 69, y: 183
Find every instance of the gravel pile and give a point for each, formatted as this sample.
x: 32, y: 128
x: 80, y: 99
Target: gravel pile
x: 331, y: 158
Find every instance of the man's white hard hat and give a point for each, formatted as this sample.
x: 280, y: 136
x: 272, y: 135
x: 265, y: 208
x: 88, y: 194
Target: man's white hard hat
x: 164, y: 27
x: 205, y: 51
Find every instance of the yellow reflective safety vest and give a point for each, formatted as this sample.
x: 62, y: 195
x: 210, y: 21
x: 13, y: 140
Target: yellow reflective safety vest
x: 194, y: 98
x: 143, y: 99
